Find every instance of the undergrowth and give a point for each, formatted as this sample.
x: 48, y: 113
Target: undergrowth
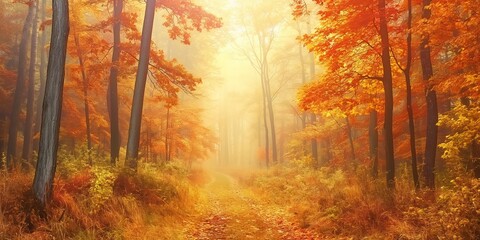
x: 350, y: 203
x: 100, y: 201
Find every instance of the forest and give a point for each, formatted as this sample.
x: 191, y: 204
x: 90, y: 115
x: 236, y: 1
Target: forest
x: 240, y: 119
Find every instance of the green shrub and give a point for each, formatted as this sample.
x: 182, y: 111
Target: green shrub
x: 101, y: 188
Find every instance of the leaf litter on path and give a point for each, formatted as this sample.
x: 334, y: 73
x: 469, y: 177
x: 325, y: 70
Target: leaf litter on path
x: 228, y: 211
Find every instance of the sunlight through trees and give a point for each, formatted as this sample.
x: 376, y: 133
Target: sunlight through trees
x: 210, y: 119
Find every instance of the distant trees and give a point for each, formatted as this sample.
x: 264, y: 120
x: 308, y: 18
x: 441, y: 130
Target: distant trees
x: 312, y: 118
x: 43, y: 67
x: 260, y: 26
x: 29, y: 121
x: 19, y: 89
x: 85, y: 86
x: 11, y: 28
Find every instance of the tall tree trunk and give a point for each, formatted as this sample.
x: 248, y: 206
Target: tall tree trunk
x: 19, y: 90
x: 140, y: 82
x: 268, y: 94
x: 411, y: 122
x: 85, y: 95
x: 303, y: 74
x: 112, y: 85
x: 388, y: 87
x: 314, y: 144
x: 373, y: 142
x: 265, y: 122
x: 167, y: 132
x: 432, y: 108
x: 43, y: 68
x: 271, y: 117
x: 313, y: 117
x: 28, y: 130
x: 52, y: 104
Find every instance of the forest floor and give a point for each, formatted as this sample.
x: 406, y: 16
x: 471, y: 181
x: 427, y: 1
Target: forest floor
x: 230, y: 211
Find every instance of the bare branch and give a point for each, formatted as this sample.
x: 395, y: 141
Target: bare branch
x: 396, y: 60
x: 367, y: 77
x: 164, y: 73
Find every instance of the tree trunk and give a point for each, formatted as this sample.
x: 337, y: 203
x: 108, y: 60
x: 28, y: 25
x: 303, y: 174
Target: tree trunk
x: 268, y: 96
x: 28, y: 130
x: 271, y: 117
x: 52, y: 104
x: 41, y: 93
x: 112, y: 85
x: 432, y: 108
x: 167, y: 131
x: 265, y: 123
x: 19, y: 90
x: 388, y: 87
x: 411, y: 122
x: 140, y: 82
x: 373, y: 142
x: 85, y: 95
x: 313, y: 117
x: 303, y: 75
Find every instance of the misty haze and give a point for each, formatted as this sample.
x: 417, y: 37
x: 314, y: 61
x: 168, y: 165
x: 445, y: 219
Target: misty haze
x: 239, y: 119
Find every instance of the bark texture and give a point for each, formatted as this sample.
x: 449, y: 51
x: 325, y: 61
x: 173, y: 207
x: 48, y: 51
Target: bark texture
x: 388, y: 87
x: 52, y: 104
x: 140, y: 82
x: 432, y: 106
x: 112, y: 85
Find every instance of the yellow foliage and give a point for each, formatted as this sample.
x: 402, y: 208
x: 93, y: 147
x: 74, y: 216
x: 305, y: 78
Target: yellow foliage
x: 464, y: 121
x: 455, y: 214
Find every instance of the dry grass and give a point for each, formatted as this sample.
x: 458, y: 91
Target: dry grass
x: 153, y: 202
x: 350, y: 204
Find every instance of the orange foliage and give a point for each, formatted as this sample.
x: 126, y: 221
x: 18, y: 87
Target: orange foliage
x: 144, y: 190
x: 455, y: 41
x: 183, y: 17
x: 168, y: 77
x: 346, y: 40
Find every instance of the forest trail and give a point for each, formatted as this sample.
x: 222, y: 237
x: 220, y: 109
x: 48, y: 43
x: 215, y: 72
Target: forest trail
x: 228, y: 211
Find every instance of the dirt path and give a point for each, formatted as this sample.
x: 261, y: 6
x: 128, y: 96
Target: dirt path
x: 230, y: 212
